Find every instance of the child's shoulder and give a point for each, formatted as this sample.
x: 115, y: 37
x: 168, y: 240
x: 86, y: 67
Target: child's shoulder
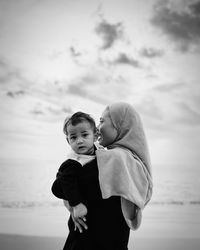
x: 69, y: 163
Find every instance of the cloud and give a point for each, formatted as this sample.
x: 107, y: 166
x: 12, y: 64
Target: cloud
x: 166, y: 114
x: 55, y: 54
x: 77, y: 89
x: 2, y: 63
x: 149, y: 107
x: 75, y: 55
x: 151, y: 52
x: 195, y: 8
x: 73, y: 52
x: 15, y: 93
x: 169, y: 87
x: 100, y: 86
x: 179, y: 104
x: 183, y: 27
x: 110, y: 33
x: 7, y: 73
x: 188, y: 116
x: 124, y: 59
x: 81, y: 87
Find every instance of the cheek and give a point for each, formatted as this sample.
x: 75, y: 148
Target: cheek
x: 104, y: 130
x: 113, y: 135
x: 72, y: 144
x: 110, y: 135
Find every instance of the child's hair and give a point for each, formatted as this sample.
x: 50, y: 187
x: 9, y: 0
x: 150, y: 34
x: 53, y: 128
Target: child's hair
x: 77, y: 118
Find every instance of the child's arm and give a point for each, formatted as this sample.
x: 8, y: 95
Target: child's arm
x: 79, y: 211
x: 69, y: 208
x: 66, y: 186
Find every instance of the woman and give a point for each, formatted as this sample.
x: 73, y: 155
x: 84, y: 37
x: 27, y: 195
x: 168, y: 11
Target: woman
x: 122, y: 196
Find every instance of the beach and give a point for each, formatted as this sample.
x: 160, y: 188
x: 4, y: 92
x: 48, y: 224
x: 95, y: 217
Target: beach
x: 31, y: 218
x: 173, y: 227
x: 61, y: 57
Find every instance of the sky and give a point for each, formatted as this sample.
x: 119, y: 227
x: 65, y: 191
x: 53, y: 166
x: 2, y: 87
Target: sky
x: 66, y: 55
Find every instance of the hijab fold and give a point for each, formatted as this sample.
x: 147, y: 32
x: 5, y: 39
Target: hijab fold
x: 125, y: 168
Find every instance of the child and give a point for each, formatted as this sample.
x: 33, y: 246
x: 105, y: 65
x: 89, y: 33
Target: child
x: 124, y: 169
x: 81, y: 133
x: 78, y: 182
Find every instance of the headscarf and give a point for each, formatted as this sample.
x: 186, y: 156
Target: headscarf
x: 125, y: 168
x: 130, y: 131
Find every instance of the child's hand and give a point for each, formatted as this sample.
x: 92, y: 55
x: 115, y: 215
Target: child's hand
x: 80, y: 211
x: 79, y: 224
x: 78, y: 215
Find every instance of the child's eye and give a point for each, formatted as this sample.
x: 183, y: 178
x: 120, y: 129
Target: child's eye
x: 73, y: 138
x: 85, y: 135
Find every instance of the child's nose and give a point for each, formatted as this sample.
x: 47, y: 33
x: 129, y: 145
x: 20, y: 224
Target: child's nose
x: 79, y: 140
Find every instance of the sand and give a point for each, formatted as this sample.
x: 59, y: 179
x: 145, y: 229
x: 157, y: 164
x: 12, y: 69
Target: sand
x: 21, y: 242
x: 172, y: 227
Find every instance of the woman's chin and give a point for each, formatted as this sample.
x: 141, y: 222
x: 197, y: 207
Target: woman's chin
x: 100, y: 141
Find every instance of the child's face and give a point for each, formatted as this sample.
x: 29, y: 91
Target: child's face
x: 81, y: 138
x: 107, y: 132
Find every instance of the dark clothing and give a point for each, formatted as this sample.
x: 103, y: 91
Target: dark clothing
x: 77, y: 183
x: 107, y: 229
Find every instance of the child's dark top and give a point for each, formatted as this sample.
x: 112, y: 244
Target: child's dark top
x: 107, y: 229
x: 73, y: 177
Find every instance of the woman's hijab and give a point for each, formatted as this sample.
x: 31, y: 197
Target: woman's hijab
x: 131, y: 134
x: 125, y: 168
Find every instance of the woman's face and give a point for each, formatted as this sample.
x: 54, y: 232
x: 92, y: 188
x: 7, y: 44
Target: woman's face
x: 107, y: 132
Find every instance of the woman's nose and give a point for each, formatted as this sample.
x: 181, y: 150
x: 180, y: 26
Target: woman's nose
x: 97, y: 130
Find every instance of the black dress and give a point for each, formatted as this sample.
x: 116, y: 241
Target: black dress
x: 107, y: 229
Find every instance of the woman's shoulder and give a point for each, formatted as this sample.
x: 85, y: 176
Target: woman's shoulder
x: 117, y: 151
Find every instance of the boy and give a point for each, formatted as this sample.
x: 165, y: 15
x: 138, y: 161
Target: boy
x: 81, y: 133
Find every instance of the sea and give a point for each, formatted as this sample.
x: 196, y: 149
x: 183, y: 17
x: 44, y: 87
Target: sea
x: 26, y: 183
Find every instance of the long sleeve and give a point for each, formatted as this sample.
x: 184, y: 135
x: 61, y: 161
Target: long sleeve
x: 66, y: 184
